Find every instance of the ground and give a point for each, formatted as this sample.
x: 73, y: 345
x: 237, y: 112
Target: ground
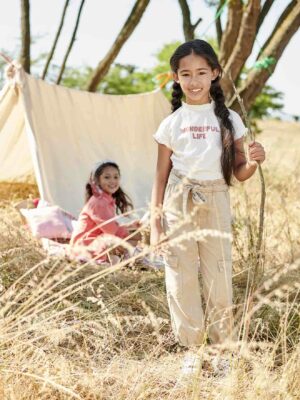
x: 76, y: 331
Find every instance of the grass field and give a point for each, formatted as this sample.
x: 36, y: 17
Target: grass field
x: 84, y: 332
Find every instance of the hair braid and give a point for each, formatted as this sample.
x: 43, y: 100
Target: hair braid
x: 227, y: 137
x: 176, y: 96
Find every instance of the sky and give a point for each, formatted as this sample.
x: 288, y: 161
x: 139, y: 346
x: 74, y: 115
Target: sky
x: 101, y: 21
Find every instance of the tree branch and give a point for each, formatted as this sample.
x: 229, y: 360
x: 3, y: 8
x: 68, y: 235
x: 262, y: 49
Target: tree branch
x: 51, y: 53
x: 230, y: 35
x: 264, y: 11
x: 243, y: 46
x: 285, y: 12
x: 188, y: 27
x: 129, y: 26
x: 197, y: 23
x: 62, y: 68
x: 25, y: 35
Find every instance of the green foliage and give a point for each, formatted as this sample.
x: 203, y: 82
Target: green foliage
x: 121, y: 79
x: 127, y: 79
x: 163, y: 57
x: 267, y: 101
x: 75, y: 78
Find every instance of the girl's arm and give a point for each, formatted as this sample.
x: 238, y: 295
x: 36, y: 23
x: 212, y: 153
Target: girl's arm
x: 163, y: 168
x: 101, y: 213
x: 243, y: 169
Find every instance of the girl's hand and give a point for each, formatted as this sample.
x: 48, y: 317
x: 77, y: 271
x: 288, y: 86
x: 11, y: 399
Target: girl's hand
x: 133, y: 226
x: 256, y: 152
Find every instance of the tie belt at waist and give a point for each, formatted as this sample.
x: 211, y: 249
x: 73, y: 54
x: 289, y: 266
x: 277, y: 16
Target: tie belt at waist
x: 196, y: 188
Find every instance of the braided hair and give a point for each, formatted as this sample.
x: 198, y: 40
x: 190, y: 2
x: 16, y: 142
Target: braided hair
x: 204, y: 49
x: 123, y: 202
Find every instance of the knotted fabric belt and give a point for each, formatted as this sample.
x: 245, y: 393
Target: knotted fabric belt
x: 197, y: 189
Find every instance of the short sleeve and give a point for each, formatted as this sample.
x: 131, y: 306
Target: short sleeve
x: 239, y: 128
x: 163, y: 133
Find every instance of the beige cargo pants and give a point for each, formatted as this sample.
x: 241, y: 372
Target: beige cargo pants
x: 197, y: 220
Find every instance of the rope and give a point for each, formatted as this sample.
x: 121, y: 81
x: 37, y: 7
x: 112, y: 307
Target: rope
x: 13, y: 71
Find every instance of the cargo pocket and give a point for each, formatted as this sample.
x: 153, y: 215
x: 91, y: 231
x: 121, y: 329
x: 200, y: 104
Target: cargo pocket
x: 173, y: 276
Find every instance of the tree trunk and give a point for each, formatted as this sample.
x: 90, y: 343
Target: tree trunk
x: 243, y: 46
x: 127, y: 29
x: 264, y: 11
x: 287, y: 10
x: 230, y: 35
x: 62, y: 68
x: 55, y: 40
x: 219, y: 29
x: 25, y: 35
x: 188, y: 27
x: 276, y: 45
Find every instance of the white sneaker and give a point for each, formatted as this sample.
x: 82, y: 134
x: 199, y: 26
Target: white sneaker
x: 191, y: 364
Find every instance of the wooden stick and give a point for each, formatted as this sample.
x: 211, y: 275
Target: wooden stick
x: 262, y: 180
x: 252, y: 286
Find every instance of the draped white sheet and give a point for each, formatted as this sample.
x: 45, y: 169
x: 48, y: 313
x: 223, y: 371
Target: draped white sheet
x: 56, y: 135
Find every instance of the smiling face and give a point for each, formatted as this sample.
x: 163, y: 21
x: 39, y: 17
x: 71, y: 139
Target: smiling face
x: 109, y: 180
x: 195, y: 76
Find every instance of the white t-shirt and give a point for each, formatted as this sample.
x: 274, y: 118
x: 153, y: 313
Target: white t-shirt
x: 193, y: 134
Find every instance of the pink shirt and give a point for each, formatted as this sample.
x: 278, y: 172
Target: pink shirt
x: 93, y: 218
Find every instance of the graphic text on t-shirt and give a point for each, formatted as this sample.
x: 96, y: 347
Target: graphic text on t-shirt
x: 199, y: 132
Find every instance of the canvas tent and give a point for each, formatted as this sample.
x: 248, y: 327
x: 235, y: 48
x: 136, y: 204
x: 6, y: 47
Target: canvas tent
x: 55, y: 135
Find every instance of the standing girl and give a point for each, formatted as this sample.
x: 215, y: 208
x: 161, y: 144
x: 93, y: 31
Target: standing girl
x: 200, y: 147
x: 97, y: 224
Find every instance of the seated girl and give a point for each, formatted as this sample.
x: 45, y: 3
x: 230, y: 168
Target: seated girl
x: 97, y: 226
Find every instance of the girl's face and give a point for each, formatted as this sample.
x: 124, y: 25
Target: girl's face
x: 109, y: 180
x: 195, y: 75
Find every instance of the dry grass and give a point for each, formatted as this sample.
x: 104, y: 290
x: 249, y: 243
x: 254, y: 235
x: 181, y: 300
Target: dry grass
x: 70, y: 331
